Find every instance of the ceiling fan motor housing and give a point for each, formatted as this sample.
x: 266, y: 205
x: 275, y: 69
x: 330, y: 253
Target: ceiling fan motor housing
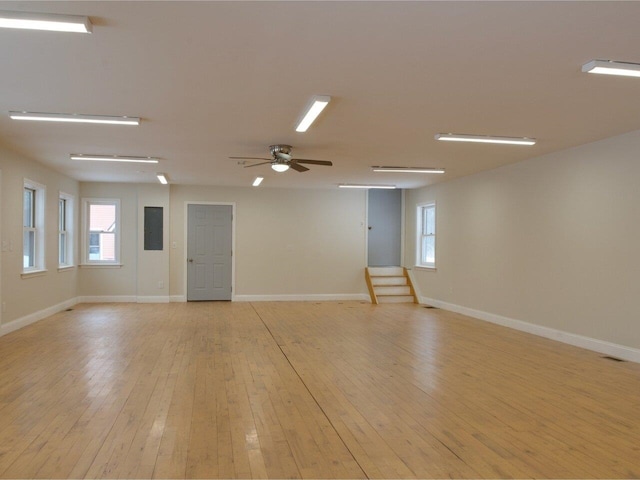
x: 276, y: 149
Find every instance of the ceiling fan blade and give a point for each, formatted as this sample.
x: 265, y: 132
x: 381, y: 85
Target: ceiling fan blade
x: 249, y: 158
x: 256, y: 164
x: 284, y: 156
x: 298, y: 168
x: 314, y: 162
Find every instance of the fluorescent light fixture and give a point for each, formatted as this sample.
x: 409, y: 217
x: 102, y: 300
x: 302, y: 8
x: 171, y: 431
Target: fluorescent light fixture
x: 353, y: 185
x: 112, y: 158
x: 317, y: 105
x: 257, y: 181
x: 609, y: 67
x: 280, y: 167
x: 45, y: 21
x: 74, y: 118
x: 451, y: 137
x: 408, y: 169
x: 162, y: 178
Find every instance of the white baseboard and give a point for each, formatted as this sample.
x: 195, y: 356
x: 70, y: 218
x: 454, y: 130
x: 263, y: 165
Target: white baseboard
x: 289, y: 298
x: 108, y: 299
x: 303, y: 298
x: 36, y: 316
x: 600, y: 346
x: 154, y: 299
x: 124, y: 299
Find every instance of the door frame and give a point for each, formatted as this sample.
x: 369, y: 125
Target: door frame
x: 233, y: 243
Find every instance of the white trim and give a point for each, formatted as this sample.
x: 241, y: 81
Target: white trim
x: 420, y: 227
x: 178, y: 298
x: 70, y: 230
x: 66, y: 268
x: 233, y: 242
x: 108, y: 299
x: 594, y: 344
x: 101, y: 265
x: 320, y: 297
x: 33, y: 273
x: 36, y: 316
x: 154, y: 299
x: 366, y: 228
x: 39, y: 228
x: 86, y: 201
x: 403, y: 215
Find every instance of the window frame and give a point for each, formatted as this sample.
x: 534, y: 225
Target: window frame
x: 37, y: 226
x: 86, y: 234
x: 66, y: 235
x: 422, y: 234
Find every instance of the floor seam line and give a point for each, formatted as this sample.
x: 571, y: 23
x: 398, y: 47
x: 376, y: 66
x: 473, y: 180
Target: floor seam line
x: 309, y: 391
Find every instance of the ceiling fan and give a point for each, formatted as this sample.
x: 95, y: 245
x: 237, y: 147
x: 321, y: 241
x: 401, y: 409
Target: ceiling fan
x: 281, y: 160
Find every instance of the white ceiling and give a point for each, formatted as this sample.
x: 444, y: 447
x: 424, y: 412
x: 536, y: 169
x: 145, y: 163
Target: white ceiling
x: 212, y: 80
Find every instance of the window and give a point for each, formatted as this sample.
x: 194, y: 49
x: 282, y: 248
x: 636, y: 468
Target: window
x: 65, y: 230
x: 94, y: 246
x: 33, y: 198
x: 426, y: 235
x: 101, y: 244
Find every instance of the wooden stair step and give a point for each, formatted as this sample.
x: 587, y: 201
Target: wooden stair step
x: 386, y: 271
x: 388, y: 281
x: 392, y: 290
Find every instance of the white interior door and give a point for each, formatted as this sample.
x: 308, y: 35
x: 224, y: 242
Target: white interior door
x: 209, y: 242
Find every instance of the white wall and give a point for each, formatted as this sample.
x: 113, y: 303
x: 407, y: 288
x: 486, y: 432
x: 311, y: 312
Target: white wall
x: 552, y: 241
x: 289, y: 243
x: 24, y: 297
x: 141, y: 272
x: 112, y: 282
x: 153, y: 265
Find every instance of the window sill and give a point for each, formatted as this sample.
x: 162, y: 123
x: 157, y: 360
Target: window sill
x: 422, y: 267
x: 100, y: 265
x: 64, y: 268
x: 33, y: 273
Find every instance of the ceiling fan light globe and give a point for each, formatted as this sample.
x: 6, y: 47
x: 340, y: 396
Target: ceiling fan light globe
x: 280, y: 167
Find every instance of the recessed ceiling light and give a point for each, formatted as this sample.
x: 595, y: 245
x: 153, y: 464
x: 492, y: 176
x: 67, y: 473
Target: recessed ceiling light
x: 257, y: 181
x: 318, y: 103
x: 609, y: 67
x: 74, y: 118
x: 112, y: 158
x: 45, y: 21
x: 162, y: 178
x: 353, y: 185
x: 408, y: 169
x: 451, y: 137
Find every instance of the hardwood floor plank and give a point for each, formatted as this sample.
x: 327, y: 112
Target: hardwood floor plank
x: 307, y: 390
x: 419, y: 369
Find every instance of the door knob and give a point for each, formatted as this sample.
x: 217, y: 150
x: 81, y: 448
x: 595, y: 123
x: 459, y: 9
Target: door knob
x: 190, y: 260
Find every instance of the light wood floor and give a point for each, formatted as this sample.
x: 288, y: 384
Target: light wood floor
x: 313, y: 390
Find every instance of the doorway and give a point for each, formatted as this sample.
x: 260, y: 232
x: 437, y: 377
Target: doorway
x: 384, y: 219
x: 209, y: 252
